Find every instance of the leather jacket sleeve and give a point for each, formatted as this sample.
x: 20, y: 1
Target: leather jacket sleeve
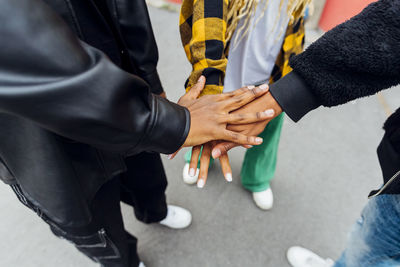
x: 142, y: 51
x: 48, y: 76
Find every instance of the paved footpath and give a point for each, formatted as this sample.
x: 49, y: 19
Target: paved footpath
x: 327, y: 166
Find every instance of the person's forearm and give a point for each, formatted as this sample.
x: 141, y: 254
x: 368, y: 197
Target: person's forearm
x: 203, y: 29
x: 72, y: 89
x: 357, y: 58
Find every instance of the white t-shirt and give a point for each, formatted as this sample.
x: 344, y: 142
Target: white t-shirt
x: 250, y: 62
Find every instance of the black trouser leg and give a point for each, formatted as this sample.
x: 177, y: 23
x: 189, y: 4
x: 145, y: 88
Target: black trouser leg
x: 143, y: 187
x: 104, y: 240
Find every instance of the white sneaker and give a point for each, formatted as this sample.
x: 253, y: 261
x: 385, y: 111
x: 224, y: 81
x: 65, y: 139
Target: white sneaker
x: 301, y: 257
x: 141, y: 264
x: 177, y: 218
x: 264, y: 199
x: 187, y: 178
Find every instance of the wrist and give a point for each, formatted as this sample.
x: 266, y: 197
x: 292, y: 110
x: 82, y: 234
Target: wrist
x: 271, y: 103
x: 294, y: 96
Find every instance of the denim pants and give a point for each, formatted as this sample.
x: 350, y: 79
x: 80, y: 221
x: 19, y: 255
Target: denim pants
x: 375, y: 237
x: 104, y: 239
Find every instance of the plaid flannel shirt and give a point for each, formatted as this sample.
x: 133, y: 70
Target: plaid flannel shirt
x: 203, y: 26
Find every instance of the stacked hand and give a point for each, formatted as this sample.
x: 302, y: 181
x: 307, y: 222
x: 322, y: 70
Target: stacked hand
x: 222, y: 122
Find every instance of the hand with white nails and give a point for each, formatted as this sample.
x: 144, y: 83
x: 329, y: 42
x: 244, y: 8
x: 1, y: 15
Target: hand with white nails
x: 224, y: 159
x: 211, y: 114
x: 266, y: 102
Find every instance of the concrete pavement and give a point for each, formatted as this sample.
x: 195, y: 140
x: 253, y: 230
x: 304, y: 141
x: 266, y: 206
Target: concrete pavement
x: 327, y: 165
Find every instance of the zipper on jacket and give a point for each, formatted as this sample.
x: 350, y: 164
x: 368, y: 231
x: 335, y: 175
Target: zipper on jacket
x: 391, y: 180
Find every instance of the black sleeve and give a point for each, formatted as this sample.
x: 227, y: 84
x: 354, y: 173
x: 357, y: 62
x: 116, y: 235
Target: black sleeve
x: 357, y: 58
x: 70, y: 88
x: 133, y: 19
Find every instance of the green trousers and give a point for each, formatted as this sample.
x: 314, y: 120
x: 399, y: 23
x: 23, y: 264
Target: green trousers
x: 259, y: 163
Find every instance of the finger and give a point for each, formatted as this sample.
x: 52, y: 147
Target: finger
x: 240, y: 138
x: 197, y: 88
x: 223, y: 148
x: 241, y: 91
x: 204, y: 164
x: 226, y: 167
x: 249, y: 117
x: 194, y: 160
x: 171, y: 156
x: 237, y: 92
x: 240, y: 100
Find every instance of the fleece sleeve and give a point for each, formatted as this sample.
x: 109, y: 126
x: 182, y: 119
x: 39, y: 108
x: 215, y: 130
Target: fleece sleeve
x: 355, y: 59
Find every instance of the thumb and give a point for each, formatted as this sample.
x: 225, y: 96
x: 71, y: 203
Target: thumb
x: 194, y: 92
x: 198, y: 87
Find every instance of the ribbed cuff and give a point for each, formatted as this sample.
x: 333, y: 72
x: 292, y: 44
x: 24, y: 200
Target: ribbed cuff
x: 293, y: 95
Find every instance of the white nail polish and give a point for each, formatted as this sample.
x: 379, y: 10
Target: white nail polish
x: 259, y: 140
x: 200, y: 183
x: 228, y: 177
x: 264, y: 86
x: 191, y: 172
x: 250, y: 87
x: 269, y: 112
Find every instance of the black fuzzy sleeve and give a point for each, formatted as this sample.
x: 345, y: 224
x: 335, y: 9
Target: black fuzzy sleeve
x: 357, y: 58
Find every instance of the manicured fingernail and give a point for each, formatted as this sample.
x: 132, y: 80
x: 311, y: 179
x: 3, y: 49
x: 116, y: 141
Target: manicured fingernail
x: 269, y: 112
x: 200, y: 79
x: 250, y: 87
x: 263, y: 87
x: 259, y: 140
x: 169, y: 156
x: 191, y: 172
x: 200, y: 183
x: 216, y: 153
x: 228, y: 177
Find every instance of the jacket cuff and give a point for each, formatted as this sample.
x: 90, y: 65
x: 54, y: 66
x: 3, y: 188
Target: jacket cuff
x: 154, y: 82
x: 170, y: 128
x: 293, y: 95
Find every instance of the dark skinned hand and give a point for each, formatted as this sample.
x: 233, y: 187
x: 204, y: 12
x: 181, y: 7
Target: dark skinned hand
x: 216, y: 147
x: 211, y: 114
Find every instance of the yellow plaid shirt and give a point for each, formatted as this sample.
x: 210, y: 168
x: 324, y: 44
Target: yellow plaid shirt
x: 203, y: 26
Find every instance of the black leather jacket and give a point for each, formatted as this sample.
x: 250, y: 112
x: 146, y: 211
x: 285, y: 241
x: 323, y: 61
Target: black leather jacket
x: 64, y: 103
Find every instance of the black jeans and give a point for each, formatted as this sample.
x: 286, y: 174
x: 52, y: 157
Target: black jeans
x: 105, y: 240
